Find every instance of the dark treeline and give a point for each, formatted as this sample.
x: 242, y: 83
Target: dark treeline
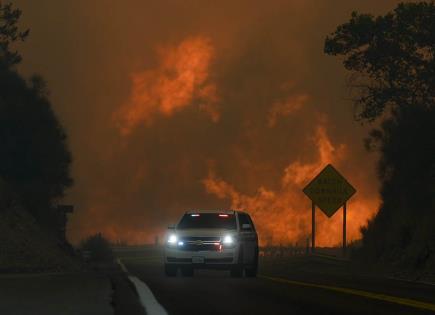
x: 391, y: 60
x: 34, y: 158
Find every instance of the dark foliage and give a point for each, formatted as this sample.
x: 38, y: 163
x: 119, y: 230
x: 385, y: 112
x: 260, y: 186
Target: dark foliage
x: 9, y: 33
x: 393, y: 69
x: 98, y: 248
x: 403, y: 232
x: 34, y: 159
x: 391, y: 57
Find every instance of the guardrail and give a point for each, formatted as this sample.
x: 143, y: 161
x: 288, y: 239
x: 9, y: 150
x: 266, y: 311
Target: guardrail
x: 295, y: 251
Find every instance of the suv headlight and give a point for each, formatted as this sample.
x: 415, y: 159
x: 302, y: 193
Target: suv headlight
x: 228, y: 240
x: 172, y: 239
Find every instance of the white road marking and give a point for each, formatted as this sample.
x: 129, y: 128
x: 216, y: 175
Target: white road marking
x: 146, y: 297
x: 122, y: 265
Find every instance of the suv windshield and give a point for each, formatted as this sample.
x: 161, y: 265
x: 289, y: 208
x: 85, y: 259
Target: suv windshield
x: 207, y: 221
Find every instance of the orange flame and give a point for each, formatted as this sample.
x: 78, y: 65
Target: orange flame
x: 181, y: 78
x: 284, y: 216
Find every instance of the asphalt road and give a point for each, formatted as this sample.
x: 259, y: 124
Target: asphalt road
x: 85, y: 293
x: 298, y: 286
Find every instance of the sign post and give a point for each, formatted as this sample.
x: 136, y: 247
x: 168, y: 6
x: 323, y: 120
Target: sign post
x: 313, y: 227
x: 329, y: 191
x: 344, y: 229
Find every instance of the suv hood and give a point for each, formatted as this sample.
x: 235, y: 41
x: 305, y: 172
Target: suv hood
x: 204, y: 232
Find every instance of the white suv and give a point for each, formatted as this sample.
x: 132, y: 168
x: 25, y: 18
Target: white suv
x: 212, y: 240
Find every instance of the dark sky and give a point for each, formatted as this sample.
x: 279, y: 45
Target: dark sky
x: 177, y: 105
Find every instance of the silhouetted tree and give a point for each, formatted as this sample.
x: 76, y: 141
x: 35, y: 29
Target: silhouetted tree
x: 9, y: 33
x: 34, y: 158
x: 391, y: 59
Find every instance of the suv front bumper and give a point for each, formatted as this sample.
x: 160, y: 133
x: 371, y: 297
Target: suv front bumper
x: 208, y: 259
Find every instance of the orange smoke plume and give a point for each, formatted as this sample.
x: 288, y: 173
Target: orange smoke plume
x: 286, y: 107
x: 180, y: 79
x: 284, y: 216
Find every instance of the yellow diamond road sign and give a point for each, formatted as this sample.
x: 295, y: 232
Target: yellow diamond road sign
x: 329, y: 190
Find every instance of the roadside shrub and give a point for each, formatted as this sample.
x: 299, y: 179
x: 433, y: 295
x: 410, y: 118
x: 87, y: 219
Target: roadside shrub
x: 98, y: 248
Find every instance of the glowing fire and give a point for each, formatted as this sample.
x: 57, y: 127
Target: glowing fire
x: 284, y: 216
x: 180, y: 80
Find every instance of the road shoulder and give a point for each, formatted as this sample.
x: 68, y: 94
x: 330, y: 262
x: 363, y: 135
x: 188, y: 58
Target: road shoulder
x: 52, y: 294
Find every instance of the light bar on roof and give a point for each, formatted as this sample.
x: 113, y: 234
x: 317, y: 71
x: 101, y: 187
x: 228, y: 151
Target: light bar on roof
x: 194, y: 215
x: 223, y: 215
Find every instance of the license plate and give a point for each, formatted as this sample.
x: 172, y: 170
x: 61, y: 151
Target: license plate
x: 197, y: 260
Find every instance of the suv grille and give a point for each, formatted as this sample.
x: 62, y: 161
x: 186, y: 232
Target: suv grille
x: 195, y: 243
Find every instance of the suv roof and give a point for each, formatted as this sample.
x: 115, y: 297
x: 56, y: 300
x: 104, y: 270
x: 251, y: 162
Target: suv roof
x: 214, y: 211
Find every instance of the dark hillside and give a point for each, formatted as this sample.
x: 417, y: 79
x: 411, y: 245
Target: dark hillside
x: 392, y: 65
x: 25, y: 247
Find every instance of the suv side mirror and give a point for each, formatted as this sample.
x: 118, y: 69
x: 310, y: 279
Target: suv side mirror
x: 171, y: 227
x: 246, y: 226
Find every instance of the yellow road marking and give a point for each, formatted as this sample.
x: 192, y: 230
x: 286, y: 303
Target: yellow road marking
x: 370, y: 295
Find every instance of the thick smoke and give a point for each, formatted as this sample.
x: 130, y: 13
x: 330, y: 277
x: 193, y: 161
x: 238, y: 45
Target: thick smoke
x: 183, y: 105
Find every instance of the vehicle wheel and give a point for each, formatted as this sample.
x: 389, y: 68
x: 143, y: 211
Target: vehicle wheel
x: 237, y: 270
x: 251, y: 271
x: 187, y: 271
x: 170, y: 271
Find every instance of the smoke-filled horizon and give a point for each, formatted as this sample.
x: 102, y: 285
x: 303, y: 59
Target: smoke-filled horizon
x: 179, y: 105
